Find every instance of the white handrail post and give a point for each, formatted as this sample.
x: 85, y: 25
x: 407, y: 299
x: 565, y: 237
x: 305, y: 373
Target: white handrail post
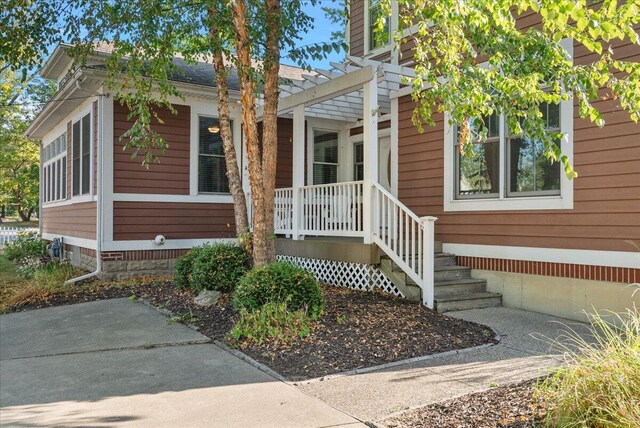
x: 298, y: 169
x: 428, y: 289
x: 370, y: 146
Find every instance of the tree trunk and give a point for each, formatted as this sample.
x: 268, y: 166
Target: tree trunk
x: 230, y: 156
x: 249, y: 125
x: 270, y: 119
x: 24, y: 215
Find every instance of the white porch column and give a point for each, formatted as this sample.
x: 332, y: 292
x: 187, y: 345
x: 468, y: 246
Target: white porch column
x: 298, y: 167
x: 370, y: 145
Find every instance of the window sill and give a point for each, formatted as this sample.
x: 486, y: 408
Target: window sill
x: 510, y: 204
x: 198, y: 198
x: 377, y: 51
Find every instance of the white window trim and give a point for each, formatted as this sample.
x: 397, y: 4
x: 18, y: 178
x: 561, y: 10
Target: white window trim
x: 83, y: 197
x: 202, y: 109
x: 368, y: 53
x: 502, y: 202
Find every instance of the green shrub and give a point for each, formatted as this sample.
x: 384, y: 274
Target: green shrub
x: 184, y: 266
x: 273, y: 322
x: 218, y: 267
x: 600, y: 384
x: 279, y: 282
x: 28, y: 245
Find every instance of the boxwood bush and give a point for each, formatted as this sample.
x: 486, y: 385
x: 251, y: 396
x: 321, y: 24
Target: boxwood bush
x: 279, y: 282
x: 184, y: 266
x: 213, y: 267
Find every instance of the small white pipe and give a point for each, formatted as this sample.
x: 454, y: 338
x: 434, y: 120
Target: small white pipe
x: 99, y: 202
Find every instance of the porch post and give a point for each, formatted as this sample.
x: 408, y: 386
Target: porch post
x: 370, y: 146
x: 298, y: 168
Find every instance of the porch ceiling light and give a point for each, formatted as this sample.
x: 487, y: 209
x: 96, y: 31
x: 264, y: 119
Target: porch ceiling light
x: 214, y: 129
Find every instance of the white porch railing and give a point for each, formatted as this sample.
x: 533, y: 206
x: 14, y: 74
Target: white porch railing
x: 406, y: 238
x: 332, y: 209
x: 10, y: 234
x: 283, y: 211
x: 338, y: 210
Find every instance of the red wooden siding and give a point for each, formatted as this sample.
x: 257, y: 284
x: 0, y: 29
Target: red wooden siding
x: 171, y: 174
x: 75, y: 220
x: 357, y: 27
x: 145, y: 220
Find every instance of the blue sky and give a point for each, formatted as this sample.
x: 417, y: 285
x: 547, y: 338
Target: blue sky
x: 321, y: 33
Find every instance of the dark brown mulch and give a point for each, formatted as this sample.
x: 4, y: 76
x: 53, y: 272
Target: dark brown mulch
x: 361, y: 329
x: 358, y: 329
x: 513, y: 406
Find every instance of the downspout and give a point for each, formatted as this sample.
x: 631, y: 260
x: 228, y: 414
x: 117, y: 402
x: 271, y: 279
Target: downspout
x: 100, y: 188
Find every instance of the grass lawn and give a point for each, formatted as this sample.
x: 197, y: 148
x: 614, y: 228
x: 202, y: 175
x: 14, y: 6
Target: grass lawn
x: 10, y: 281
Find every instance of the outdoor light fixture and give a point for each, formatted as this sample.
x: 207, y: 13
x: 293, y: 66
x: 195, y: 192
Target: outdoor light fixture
x: 214, y: 129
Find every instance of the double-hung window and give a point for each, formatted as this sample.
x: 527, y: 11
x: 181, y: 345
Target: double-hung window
x: 325, y: 157
x: 54, y: 170
x: 212, y: 167
x: 377, y: 39
x: 505, y: 170
x: 81, y: 156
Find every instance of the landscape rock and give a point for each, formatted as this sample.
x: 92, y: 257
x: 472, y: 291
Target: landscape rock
x: 207, y: 298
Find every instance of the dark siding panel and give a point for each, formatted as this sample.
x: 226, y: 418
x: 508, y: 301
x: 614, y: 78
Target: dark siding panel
x: 171, y: 174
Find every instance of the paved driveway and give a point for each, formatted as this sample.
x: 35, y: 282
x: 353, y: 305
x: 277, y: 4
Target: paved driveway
x: 119, y: 363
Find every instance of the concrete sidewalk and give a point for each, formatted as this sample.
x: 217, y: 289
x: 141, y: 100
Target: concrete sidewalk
x: 118, y: 363
x: 375, y: 395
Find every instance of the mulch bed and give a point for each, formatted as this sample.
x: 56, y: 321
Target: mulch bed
x: 513, y: 406
x: 358, y: 329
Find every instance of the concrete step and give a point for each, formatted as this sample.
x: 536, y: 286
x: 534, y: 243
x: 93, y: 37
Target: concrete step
x: 444, y: 259
x: 410, y: 290
x: 459, y: 287
x: 448, y: 273
x: 468, y: 301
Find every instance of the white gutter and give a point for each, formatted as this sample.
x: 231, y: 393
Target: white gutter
x: 99, y: 202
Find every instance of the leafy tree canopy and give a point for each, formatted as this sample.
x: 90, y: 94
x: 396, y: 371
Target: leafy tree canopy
x: 521, y: 70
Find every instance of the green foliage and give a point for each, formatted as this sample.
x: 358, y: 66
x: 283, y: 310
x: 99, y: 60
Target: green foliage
x: 19, y: 157
x: 218, y: 266
x: 600, y: 384
x: 277, y: 283
x: 273, y: 322
x: 184, y: 318
x: 525, y: 68
x: 183, y: 267
x: 28, y: 245
x: 52, y: 275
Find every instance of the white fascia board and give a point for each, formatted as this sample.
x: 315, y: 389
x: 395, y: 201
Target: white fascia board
x: 71, y: 240
x: 622, y: 259
x: 170, y: 244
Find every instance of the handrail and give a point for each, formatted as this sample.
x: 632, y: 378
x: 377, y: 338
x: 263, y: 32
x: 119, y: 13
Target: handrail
x: 407, y: 239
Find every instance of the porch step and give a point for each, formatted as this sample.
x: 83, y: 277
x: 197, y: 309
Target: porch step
x: 468, y: 301
x: 458, y: 287
x: 454, y: 288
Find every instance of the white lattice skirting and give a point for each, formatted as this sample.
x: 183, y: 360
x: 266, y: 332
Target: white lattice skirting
x: 345, y: 274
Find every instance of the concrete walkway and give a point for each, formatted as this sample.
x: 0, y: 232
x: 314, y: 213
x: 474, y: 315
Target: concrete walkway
x: 376, y: 395
x: 119, y: 363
